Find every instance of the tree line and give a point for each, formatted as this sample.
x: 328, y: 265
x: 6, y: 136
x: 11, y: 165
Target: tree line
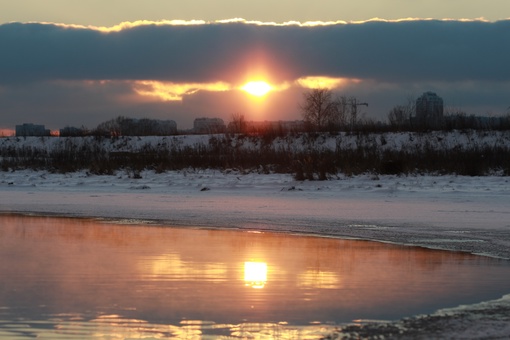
x: 322, y: 111
x: 124, y: 126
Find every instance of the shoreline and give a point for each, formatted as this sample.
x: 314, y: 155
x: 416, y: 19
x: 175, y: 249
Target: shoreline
x: 269, y: 228
x: 456, y: 213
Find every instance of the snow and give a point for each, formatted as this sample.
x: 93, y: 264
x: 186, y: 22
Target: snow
x: 437, y: 140
x: 451, y: 212
x: 470, y: 214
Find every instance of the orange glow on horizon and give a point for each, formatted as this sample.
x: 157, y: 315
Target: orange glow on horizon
x: 7, y: 133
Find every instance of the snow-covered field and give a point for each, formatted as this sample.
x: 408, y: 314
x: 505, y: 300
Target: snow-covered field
x: 455, y: 213
x: 437, y: 140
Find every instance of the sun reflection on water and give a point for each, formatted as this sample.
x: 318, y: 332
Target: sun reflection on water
x: 113, y: 326
x: 255, y: 274
x: 171, y: 267
x: 319, y: 279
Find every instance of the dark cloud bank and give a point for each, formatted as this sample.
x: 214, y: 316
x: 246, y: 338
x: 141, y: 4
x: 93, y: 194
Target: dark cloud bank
x: 390, y: 51
x: 471, y: 55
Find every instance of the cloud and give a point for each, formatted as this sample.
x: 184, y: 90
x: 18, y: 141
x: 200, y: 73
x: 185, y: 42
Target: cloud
x: 325, y: 82
x: 413, y: 50
x: 175, y: 92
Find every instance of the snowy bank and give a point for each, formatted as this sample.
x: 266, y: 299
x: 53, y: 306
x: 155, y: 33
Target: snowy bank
x: 307, y: 156
x: 449, y: 212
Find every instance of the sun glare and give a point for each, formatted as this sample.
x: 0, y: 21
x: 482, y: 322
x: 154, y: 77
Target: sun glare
x: 257, y: 88
x: 255, y: 274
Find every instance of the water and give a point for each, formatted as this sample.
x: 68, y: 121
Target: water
x: 74, y: 279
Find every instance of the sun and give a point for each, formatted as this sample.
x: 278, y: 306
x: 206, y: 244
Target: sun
x: 257, y: 88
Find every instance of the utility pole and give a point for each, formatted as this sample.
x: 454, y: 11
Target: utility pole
x: 354, y: 110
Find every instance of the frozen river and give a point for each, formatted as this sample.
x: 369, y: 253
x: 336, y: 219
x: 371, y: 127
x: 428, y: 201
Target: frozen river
x: 468, y: 214
x: 82, y: 278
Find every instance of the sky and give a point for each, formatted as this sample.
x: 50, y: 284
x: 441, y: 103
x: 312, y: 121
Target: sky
x: 69, y: 63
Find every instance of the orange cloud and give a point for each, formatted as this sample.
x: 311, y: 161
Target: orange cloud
x: 168, y: 91
x: 326, y: 82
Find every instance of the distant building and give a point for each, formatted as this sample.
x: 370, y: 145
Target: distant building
x: 31, y: 130
x: 209, y: 125
x: 429, y: 110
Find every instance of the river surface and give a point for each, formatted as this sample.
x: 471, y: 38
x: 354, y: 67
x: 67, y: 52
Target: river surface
x: 80, y: 278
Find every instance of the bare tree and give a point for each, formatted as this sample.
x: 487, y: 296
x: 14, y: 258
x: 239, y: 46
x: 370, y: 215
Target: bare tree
x: 323, y: 111
x: 238, y: 124
x: 400, y: 115
x: 342, y: 111
x: 319, y: 108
